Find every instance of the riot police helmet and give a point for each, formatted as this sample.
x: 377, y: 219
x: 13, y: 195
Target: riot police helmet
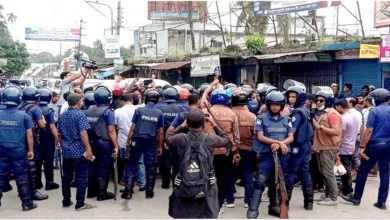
x: 30, y: 95
x: 45, y: 96
x: 11, y: 96
x: 204, y: 84
x: 102, y: 95
x: 202, y: 89
x: 329, y: 97
x: 380, y: 96
x: 189, y: 87
x: 301, y: 95
x: 183, y: 94
x: 151, y: 95
x: 170, y: 95
x: 240, y: 97
x: 271, y: 89
x: 275, y: 97
x: 89, y: 99
x: 219, y: 97
x: 229, y: 86
x: 262, y: 90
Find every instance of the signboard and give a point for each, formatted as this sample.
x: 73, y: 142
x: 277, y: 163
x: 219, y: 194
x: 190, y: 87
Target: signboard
x: 112, y: 47
x: 266, y: 8
x: 118, y: 65
x: 52, y: 34
x: 381, y: 14
x: 176, y: 10
x: 309, y: 57
x: 3, y: 62
x: 385, y: 49
x: 203, y: 66
x: 347, y: 54
x: 368, y: 51
x: 137, y: 44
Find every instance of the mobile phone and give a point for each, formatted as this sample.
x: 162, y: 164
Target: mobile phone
x: 85, y: 155
x: 147, y: 82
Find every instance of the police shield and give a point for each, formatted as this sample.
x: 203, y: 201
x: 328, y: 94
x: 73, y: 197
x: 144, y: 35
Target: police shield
x: 316, y: 89
x: 288, y: 83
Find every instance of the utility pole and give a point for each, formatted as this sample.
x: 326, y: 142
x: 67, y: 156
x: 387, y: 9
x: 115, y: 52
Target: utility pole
x: 156, y: 44
x: 220, y: 24
x: 360, y: 18
x: 79, y: 47
x: 230, y: 24
x: 119, y: 19
x: 276, y: 34
x: 189, y: 3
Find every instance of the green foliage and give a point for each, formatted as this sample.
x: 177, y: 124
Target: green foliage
x: 16, y: 55
x: 233, y: 49
x: 247, y: 19
x: 254, y: 43
x: 204, y: 49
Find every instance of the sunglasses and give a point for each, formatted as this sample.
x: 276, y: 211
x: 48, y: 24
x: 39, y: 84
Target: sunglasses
x: 320, y: 100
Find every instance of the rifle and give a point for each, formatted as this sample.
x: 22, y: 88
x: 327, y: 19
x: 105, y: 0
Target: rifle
x: 115, y: 177
x: 280, y: 188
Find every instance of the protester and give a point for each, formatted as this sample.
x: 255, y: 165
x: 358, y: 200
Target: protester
x: 365, y: 90
x: 352, y: 108
x: 359, y: 105
x: 348, y: 91
x: 69, y: 81
x: 336, y: 91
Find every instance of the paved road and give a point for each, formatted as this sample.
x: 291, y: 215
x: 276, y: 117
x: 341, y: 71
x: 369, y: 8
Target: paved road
x: 139, y: 207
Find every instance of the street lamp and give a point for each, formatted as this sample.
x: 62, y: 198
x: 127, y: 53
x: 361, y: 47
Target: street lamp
x: 112, y: 21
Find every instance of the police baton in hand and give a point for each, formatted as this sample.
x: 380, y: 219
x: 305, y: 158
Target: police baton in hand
x: 60, y: 160
x: 115, y: 165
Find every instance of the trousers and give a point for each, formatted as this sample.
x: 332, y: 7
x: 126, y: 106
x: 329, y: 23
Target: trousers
x: 326, y: 164
x: 346, y: 180
x: 225, y: 172
x: 46, y: 158
x: 248, y: 165
x: 140, y: 169
x: 98, y: 180
x: 79, y: 167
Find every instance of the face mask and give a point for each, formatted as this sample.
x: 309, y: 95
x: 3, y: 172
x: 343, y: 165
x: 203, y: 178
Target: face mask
x: 321, y: 108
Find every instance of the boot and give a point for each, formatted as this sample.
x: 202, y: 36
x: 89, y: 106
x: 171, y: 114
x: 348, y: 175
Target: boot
x: 128, y: 192
x: 308, y: 194
x: 253, y: 210
x: 51, y: 186
x: 7, y: 188
x: 150, y: 187
x: 35, y: 194
x: 165, y: 178
x: 28, y: 205
x: 103, y: 194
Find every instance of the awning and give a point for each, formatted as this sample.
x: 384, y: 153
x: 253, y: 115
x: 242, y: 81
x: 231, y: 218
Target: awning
x: 105, y: 73
x: 150, y: 65
x: 274, y: 56
x: 169, y: 66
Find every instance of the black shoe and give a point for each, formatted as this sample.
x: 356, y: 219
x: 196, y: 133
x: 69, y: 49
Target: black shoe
x: 351, y: 199
x: 67, y: 205
x: 39, y: 185
x: 56, y: 168
x: 28, y: 205
x: 142, y: 189
x: 51, y: 186
x: 380, y: 206
x: 7, y: 188
x: 73, y: 184
x: 149, y: 195
x: 274, y: 211
x: 165, y: 186
x: 122, y: 190
x: 127, y: 194
x: 240, y: 184
x: 308, y: 206
x: 37, y: 196
x: 105, y: 196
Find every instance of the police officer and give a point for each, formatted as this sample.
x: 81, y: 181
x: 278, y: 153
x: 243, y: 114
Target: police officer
x: 89, y: 99
x: 189, y: 87
x: 48, y: 136
x: 246, y: 123
x: 15, y: 129
x: 147, y: 128
x: 161, y: 103
x: 169, y: 157
x: 229, y: 86
x: 253, y: 104
x: 299, y: 158
x: 7, y: 185
x: 30, y: 100
x: 183, y: 97
x: 273, y: 132
x: 104, y: 143
x: 375, y: 148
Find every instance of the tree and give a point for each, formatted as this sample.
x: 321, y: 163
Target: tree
x: 11, y: 17
x: 98, y: 45
x: 254, y: 43
x: 284, y: 26
x: 189, y: 3
x: 16, y: 55
x: 246, y: 18
x: 43, y: 57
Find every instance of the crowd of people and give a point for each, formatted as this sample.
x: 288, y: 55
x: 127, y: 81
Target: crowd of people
x: 201, y: 141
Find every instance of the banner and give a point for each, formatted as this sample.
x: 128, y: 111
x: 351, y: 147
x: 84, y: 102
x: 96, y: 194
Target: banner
x: 266, y: 8
x: 381, y: 14
x: 368, y: 51
x: 176, y: 10
x: 118, y: 65
x: 347, y: 54
x: 52, y: 34
x: 204, y: 66
x: 173, y: 15
x: 309, y: 57
x: 112, y: 47
x: 385, y: 49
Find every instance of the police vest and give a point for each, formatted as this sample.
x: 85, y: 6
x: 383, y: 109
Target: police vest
x: 304, y: 132
x: 99, y: 129
x: 170, y: 112
x: 184, y: 104
x: 246, y: 123
x: 29, y: 109
x: 161, y: 104
x: 146, y: 126
x: 2, y: 107
x: 12, y: 130
x: 274, y: 130
x: 45, y: 133
x: 253, y: 106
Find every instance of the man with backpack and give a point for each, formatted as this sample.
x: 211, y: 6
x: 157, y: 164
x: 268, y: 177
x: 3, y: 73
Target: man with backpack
x: 195, y: 194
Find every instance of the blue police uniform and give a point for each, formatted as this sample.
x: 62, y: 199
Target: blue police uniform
x: 161, y: 104
x: 179, y: 119
x: 147, y: 120
x: 13, y: 150
x: 99, y: 118
x: 47, y: 147
x: 378, y: 150
x: 169, y: 157
x: 184, y: 104
x: 275, y: 129
x: 299, y: 157
x: 253, y: 106
x: 2, y: 107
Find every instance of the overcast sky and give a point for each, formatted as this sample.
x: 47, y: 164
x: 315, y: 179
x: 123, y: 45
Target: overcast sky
x: 67, y: 13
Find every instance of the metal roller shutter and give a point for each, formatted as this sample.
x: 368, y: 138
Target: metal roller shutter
x: 360, y: 73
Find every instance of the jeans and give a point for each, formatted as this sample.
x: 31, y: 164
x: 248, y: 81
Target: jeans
x: 377, y: 152
x: 326, y: 164
x: 346, y: 179
x: 79, y: 166
x: 298, y: 165
x: 140, y: 169
x: 248, y: 163
x: 225, y: 174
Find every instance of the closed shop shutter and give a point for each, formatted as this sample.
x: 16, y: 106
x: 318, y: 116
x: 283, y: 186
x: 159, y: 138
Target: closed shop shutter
x: 324, y: 74
x: 359, y: 73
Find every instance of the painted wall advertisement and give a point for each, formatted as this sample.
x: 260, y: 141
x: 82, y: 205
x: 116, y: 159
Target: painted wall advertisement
x: 112, y: 46
x: 52, y: 34
x: 368, y: 51
x: 385, y: 49
x: 204, y: 66
x: 265, y: 8
x: 381, y: 14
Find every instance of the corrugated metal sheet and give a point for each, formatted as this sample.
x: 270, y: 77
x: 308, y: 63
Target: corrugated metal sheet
x: 274, y: 56
x: 146, y: 64
x: 359, y: 73
x: 168, y: 66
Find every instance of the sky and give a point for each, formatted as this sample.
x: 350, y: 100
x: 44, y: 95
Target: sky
x: 68, y: 13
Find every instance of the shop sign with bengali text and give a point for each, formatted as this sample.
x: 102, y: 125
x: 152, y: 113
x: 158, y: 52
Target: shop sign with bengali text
x: 385, y: 49
x: 368, y: 51
x: 347, y: 54
x: 204, y: 66
x: 310, y: 57
x: 52, y: 34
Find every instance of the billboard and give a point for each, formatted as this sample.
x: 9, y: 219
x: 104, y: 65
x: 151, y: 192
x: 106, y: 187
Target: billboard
x: 204, y: 66
x: 52, y: 34
x: 381, y: 14
x: 266, y: 8
x: 112, y: 47
x: 176, y: 10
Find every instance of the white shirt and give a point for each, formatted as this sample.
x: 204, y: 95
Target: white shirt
x: 64, y: 108
x: 123, y: 117
x: 359, y: 116
x: 365, y: 113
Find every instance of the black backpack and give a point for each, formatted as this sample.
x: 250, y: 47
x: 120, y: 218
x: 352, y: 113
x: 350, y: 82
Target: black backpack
x: 196, y: 172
